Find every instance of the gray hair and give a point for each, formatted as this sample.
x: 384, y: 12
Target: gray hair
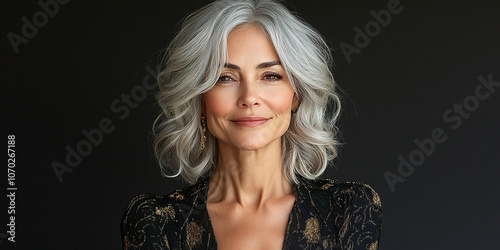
x: 193, y: 63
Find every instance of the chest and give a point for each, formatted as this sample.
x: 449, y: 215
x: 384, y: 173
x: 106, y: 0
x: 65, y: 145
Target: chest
x: 250, y: 229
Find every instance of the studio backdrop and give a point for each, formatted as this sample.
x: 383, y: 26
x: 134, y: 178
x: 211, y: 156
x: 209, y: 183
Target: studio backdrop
x: 420, y: 87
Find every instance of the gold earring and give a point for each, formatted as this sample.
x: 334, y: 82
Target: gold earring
x: 204, y: 137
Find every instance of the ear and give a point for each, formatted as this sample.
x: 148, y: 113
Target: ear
x: 203, y: 107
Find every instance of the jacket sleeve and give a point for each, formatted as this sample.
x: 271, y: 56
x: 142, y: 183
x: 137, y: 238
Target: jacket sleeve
x: 142, y: 224
x: 363, y: 219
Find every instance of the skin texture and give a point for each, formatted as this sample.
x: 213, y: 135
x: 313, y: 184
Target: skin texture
x: 249, y: 199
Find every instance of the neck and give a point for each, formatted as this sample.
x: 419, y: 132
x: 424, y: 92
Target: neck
x: 249, y: 177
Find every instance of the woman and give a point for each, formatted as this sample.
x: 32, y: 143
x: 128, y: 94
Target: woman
x: 244, y: 96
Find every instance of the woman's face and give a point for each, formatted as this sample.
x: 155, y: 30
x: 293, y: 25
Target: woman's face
x: 250, y: 106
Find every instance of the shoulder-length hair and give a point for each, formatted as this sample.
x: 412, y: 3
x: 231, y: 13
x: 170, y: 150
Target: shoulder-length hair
x: 193, y: 63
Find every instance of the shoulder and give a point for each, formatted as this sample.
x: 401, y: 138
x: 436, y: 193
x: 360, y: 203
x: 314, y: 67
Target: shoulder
x: 149, y: 218
x: 351, y: 193
x: 145, y: 207
x: 144, y: 221
x: 355, y: 208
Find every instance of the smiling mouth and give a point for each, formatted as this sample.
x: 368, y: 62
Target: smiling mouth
x: 250, y: 121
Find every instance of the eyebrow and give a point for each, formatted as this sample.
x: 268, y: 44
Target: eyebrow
x: 260, y: 66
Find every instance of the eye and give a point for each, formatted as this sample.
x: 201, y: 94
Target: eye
x: 272, y: 77
x: 225, y: 79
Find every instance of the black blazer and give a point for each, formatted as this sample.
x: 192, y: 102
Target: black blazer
x: 327, y: 214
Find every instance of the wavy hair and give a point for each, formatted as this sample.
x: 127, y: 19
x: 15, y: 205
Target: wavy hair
x: 193, y: 63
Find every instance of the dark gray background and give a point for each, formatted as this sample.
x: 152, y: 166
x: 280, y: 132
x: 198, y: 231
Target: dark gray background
x: 396, y: 90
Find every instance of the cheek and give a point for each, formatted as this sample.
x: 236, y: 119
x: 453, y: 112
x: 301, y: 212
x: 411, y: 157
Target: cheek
x: 282, y: 100
x: 216, y: 104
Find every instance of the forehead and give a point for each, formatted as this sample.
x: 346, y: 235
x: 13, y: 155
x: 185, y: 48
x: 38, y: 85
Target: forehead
x: 250, y: 43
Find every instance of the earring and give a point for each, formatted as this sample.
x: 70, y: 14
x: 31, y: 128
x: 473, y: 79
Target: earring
x: 294, y: 112
x: 204, y: 137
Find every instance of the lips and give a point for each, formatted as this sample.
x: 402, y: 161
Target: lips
x: 250, y: 121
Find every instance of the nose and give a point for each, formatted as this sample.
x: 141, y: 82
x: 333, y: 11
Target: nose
x: 248, y: 94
